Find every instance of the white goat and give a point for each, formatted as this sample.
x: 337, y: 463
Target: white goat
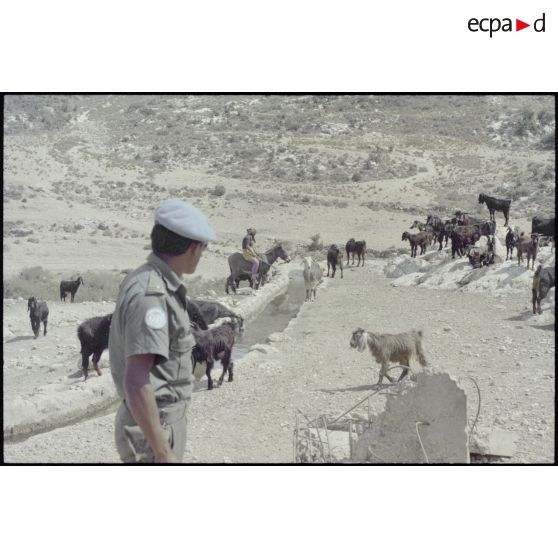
x: 312, y: 274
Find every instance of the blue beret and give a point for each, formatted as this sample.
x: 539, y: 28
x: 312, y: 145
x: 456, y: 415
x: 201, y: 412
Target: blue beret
x: 184, y: 219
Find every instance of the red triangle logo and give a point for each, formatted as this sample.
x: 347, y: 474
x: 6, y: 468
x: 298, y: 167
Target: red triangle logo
x: 519, y: 25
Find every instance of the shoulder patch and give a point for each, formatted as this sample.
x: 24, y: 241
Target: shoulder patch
x: 155, y: 285
x: 155, y: 318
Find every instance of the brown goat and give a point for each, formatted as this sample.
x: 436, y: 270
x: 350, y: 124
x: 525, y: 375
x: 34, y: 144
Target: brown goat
x: 527, y: 246
x: 421, y: 239
x: 386, y: 348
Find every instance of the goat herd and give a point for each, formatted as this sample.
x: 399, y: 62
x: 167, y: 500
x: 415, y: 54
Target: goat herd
x: 216, y: 344
x: 464, y: 231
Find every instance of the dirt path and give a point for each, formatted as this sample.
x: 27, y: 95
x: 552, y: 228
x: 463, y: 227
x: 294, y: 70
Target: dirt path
x: 311, y: 367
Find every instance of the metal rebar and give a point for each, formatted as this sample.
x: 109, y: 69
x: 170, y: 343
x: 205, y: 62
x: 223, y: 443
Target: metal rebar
x: 478, y: 410
x: 423, y: 450
x: 327, y: 436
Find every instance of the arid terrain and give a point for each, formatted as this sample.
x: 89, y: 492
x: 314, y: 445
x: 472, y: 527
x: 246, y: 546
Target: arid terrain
x: 83, y: 174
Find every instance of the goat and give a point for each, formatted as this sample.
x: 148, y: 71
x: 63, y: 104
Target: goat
x: 93, y: 335
x: 427, y: 229
x: 511, y: 243
x: 312, y: 274
x: 38, y: 312
x: 334, y: 259
x: 495, y: 204
x: 438, y: 227
x: 543, y: 226
x: 215, y: 345
x: 543, y: 281
x: 357, y: 247
x: 463, y: 219
x: 386, y: 348
x: 449, y: 226
x: 211, y: 310
x: 528, y: 246
x: 488, y: 228
x: 461, y: 237
x: 195, y: 315
x: 420, y: 239
x: 70, y: 287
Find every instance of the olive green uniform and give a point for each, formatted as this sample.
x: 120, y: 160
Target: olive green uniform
x: 151, y: 318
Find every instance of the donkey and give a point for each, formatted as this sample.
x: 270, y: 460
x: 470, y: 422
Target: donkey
x: 241, y: 270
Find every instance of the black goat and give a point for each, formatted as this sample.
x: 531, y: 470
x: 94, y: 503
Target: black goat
x: 461, y: 237
x: 488, y: 228
x: 334, y: 259
x: 194, y: 313
x: 70, y: 287
x: 495, y: 204
x: 93, y: 335
x: 543, y: 226
x: 543, y: 281
x: 38, y: 312
x: 449, y: 226
x: 215, y: 345
x: 357, y: 247
x: 511, y: 242
x: 438, y: 227
x: 211, y: 310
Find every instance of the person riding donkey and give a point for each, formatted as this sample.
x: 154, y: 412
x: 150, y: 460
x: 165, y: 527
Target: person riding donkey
x: 249, y: 253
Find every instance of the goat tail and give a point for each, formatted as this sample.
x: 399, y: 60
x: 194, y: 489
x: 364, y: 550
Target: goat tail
x: 539, y: 269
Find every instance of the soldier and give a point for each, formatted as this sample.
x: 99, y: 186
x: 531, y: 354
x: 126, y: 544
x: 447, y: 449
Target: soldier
x: 150, y: 340
x: 249, y: 253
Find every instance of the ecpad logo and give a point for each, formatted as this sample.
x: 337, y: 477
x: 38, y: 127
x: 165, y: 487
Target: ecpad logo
x: 493, y: 25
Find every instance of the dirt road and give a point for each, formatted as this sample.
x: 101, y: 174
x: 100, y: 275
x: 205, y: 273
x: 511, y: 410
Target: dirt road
x: 310, y: 367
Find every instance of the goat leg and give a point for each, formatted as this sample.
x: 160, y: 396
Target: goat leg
x: 225, y: 361
x: 96, y: 358
x: 208, y: 368
x: 231, y: 372
x: 85, y: 364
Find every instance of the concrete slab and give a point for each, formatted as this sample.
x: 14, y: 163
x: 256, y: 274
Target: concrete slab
x: 423, y: 422
x: 494, y: 442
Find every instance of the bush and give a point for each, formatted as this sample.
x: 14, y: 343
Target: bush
x: 316, y: 243
x: 219, y: 190
x: 38, y: 282
x: 32, y: 281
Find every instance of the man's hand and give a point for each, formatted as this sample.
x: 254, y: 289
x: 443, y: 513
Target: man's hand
x: 141, y: 402
x: 166, y: 456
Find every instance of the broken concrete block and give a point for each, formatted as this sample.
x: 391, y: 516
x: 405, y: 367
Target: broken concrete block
x: 494, y: 442
x: 439, y: 407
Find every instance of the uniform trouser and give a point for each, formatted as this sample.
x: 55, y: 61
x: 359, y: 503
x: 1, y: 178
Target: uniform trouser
x: 133, y: 446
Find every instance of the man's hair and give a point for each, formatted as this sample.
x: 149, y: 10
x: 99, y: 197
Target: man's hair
x: 164, y: 241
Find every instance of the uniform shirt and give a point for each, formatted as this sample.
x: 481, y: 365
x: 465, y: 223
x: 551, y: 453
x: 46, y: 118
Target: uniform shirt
x: 151, y: 317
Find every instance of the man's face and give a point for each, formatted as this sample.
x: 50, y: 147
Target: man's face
x: 192, y: 256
